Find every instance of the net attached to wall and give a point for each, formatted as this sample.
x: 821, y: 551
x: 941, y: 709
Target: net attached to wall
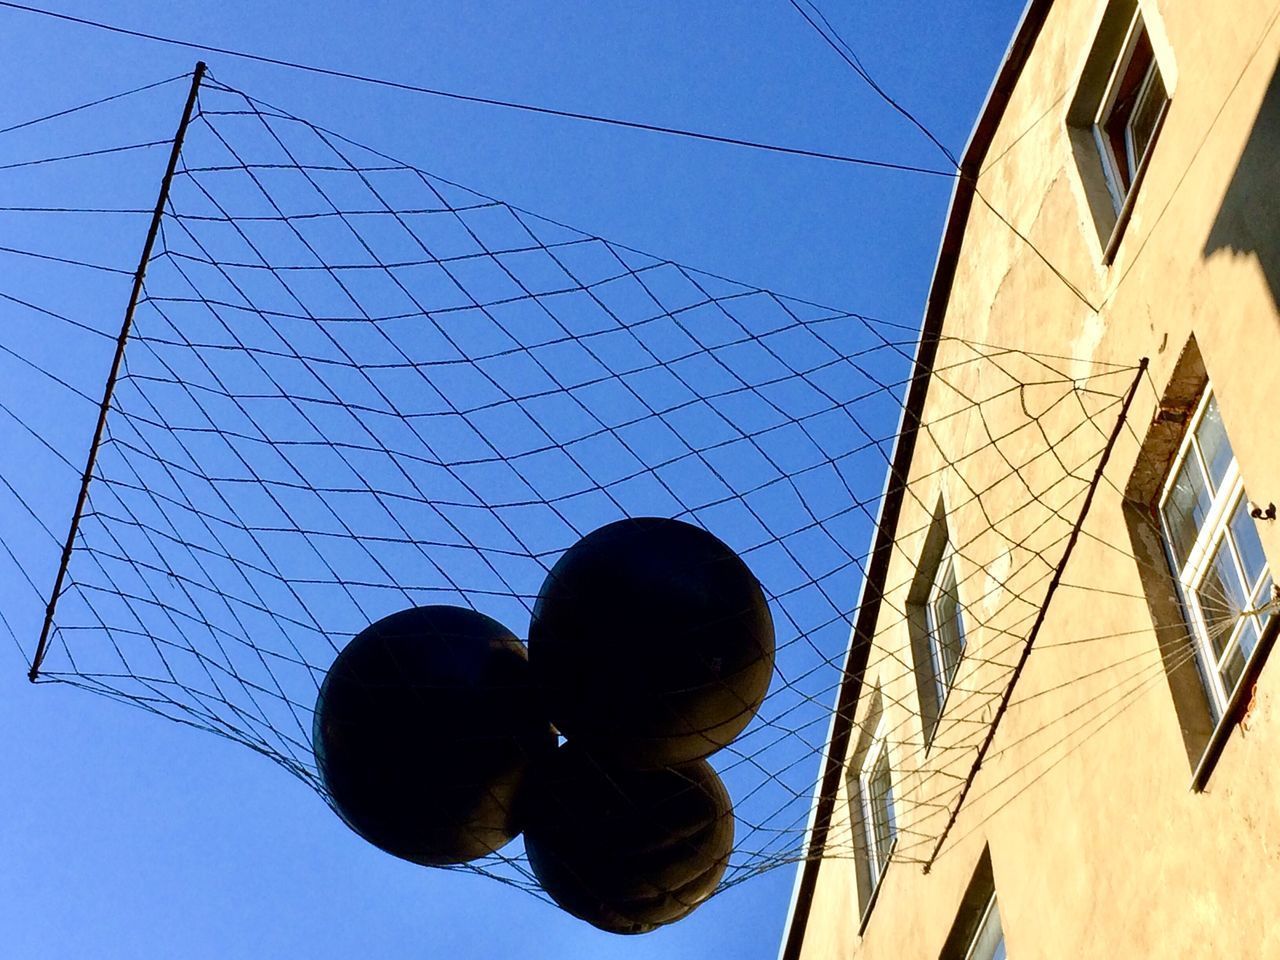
x: 352, y: 387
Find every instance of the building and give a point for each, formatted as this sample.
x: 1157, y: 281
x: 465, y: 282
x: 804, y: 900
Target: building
x: 1118, y: 200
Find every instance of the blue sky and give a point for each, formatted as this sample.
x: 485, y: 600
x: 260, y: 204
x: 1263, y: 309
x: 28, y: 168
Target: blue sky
x: 127, y: 836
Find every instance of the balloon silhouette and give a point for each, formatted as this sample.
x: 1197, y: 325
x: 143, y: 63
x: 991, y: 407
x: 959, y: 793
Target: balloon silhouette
x: 652, y: 643
x: 626, y: 850
x: 424, y: 728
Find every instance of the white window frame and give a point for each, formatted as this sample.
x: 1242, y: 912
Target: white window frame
x: 1191, y: 574
x: 877, y: 859
x: 982, y: 947
x: 934, y: 623
x: 1111, y: 164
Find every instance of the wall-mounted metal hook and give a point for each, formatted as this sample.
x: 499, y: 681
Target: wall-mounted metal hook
x: 1262, y: 513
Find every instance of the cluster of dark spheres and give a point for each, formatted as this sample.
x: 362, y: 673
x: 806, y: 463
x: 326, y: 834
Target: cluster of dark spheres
x: 650, y: 648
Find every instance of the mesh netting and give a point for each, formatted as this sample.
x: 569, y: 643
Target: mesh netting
x: 353, y: 387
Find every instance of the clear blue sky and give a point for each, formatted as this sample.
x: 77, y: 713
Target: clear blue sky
x: 126, y: 836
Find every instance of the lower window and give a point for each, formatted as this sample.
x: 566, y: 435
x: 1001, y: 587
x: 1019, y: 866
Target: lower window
x: 976, y: 933
x: 878, y: 809
x: 1215, y: 552
x: 988, y: 943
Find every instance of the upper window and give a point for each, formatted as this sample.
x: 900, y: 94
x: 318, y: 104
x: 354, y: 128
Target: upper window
x: 1115, y: 116
x: 1215, y: 553
x: 946, y: 625
x: 1131, y: 109
x: 935, y: 621
x: 878, y: 814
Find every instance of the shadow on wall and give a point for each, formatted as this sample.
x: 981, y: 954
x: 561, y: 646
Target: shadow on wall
x: 1249, y: 218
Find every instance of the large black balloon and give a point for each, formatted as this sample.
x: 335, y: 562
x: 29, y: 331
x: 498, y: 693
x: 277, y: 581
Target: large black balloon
x: 424, y: 730
x: 652, y: 642
x: 627, y: 850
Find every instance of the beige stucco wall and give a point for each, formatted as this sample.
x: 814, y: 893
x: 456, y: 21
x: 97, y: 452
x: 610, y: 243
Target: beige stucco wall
x: 1099, y: 847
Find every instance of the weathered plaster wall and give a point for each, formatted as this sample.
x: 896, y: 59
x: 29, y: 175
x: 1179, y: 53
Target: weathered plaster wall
x: 1098, y: 846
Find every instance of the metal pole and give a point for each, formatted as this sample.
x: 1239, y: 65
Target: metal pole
x: 138, y: 277
x: 1044, y: 609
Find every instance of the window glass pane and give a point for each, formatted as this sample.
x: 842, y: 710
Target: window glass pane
x: 989, y: 943
x: 882, y: 813
x: 1222, y: 598
x: 948, y: 626
x: 1245, y: 533
x: 1214, y: 444
x: 1264, y: 595
x: 1127, y: 87
x: 1142, y: 126
x: 1248, y: 639
x: 1234, y: 665
x: 1186, y: 507
x: 873, y: 862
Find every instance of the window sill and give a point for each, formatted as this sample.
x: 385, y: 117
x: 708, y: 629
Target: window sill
x: 1236, y: 706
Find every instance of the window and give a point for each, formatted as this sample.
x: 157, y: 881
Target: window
x: 1199, y: 557
x: 935, y: 621
x: 988, y: 943
x: 873, y: 809
x: 1130, y: 112
x: 878, y: 814
x: 976, y: 933
x: 1115, y: 117
x: 1215, y: 553
x: 946, y: 625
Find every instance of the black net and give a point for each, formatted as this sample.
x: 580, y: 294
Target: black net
x: 352, y: 387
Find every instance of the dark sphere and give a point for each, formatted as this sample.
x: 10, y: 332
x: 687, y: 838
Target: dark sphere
x: 652, y: 642
x: 424, y: 730
x: 627, y: 850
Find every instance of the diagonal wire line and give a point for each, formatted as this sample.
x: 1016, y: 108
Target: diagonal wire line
x: 847, y: 54
x: 488, y: 101
x: 83, y: 154
x: 92, y: 103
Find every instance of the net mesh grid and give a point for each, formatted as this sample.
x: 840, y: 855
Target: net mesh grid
x: 353, y: 387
